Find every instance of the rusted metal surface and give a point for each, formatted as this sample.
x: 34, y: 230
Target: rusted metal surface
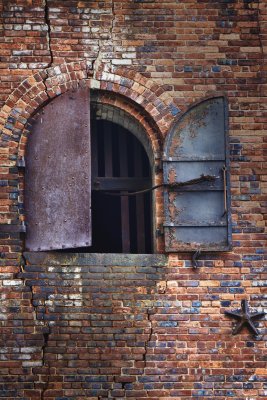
x: 189, y: 139
x: 224, y: 171
x: 245, y: 318
x: 58, y: 175
x: 195, y: 216
x: 196, y: 209
x: 186, y: 171
x: 195, y: 258
x: 174, y: 211
x: 192, y: 238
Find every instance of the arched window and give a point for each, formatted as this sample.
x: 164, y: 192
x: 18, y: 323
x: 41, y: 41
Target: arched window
x: 63, y: 162
x: 67, y: 155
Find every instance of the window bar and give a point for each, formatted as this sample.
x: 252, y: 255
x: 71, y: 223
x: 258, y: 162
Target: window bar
x: 108, y: 150
x: 94, y: 152
x: 140, y: 209
x: 125, y: 223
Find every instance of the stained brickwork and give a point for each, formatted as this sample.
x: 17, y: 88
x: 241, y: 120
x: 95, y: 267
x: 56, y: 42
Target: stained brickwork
x: 104, y: 327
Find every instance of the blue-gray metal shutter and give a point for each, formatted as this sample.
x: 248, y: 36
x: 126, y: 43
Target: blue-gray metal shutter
x: 58, y: 174
x: 197, y: 215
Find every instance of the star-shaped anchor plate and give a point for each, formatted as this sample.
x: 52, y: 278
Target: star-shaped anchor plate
x: 245, y: 317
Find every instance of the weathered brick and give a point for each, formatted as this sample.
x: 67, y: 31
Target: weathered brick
x: 136, y: 329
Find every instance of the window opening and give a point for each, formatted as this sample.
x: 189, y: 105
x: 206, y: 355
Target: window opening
x: 120, y: 224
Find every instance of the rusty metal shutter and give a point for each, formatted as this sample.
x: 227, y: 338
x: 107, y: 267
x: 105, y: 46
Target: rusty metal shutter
x: 58, y: 174
x: 197, y: 215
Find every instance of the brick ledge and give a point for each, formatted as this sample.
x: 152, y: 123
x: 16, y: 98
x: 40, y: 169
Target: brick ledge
x: 57, y: 258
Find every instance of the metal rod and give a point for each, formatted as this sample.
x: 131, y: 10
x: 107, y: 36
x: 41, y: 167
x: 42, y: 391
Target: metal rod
x: 125, y: 223
x: 94, y: 151
x: 140, y: 209
x: 195, y: 257
x: 108, y: 151
x: 224, y: 190
x: 202, y: 178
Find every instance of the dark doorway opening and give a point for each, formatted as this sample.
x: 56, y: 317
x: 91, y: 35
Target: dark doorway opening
x: 120, y: 165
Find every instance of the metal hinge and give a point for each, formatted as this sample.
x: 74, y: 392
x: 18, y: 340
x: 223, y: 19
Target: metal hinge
x: 21, y: 162
x: 195, y: 257
x: 160, y: 231
x: 159, y: 167
x: 12, y: 228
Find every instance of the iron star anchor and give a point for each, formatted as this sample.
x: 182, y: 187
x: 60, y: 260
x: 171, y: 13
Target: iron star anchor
x: 245, y: 318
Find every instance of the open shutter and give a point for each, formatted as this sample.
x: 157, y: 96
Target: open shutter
x: 196, y: 215
x: 58, y: 174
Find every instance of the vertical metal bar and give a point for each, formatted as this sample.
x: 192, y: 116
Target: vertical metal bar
x: 140, y: 209
x: 224, y: 190
x: 94, y: 152
x: 227, y: 163
x: 108, y: 150
x: 125, y: 223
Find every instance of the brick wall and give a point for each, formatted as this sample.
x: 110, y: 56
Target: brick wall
x: 75, y: 327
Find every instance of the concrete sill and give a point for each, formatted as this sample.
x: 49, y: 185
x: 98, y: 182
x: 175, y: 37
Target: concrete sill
x: 55, y: 258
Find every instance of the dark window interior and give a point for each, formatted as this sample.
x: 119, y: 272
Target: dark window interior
x: 120, y: 224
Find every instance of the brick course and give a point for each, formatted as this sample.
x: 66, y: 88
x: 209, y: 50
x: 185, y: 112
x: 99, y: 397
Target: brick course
x: 75, y: 327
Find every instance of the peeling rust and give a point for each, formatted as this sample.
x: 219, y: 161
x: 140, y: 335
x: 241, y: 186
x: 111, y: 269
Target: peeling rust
x: 173, y: 210
x: 196, y: 120
x: 245, y: 318
x: 174, y: 244
x: 191, y: 122
x: 170, y: 238
x: 172, y: 176
x: 201, y: 124
x: 175, y: 143
x: 196, y: 216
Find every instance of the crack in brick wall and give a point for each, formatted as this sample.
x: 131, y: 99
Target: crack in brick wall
x: 47, y: 21
x: 97, y: 62
x: 46, y: 329
x: 45, y: 387
x: 147, y: 342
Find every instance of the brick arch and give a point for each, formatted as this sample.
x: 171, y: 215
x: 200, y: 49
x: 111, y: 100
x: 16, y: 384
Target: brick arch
x: 38, y: 89
x: 145, y: 125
